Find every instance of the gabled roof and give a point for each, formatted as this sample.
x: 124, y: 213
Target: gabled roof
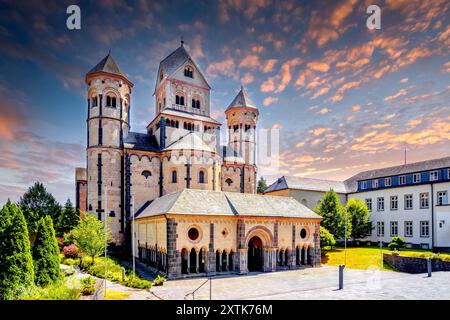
x: 190, y: 141
x: 352, y: 183
x: 174, y: 61
x: 140, y: 141
x: 212, y: 203
x: 242, y: 100
x: 109, y: 65
x: 299, y: 183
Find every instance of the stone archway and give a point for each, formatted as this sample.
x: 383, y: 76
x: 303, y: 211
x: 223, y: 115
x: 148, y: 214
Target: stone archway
x: 255, y: 260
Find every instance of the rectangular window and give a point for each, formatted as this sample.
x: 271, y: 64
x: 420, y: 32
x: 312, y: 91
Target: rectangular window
x: 369, y: 204
x: 363, y: 185
x: 394, y: 228
x: 424, y: 229
x: 416, y: 177
x: 442, y: 198
x: 424, y: 200
x: 408, y: 201
x: 433, y: 175
x: 387, y: 182
x: 375, y: 183
x: 408, y: 228
x: 448, y: 173
x: 380, y: 204
x: 394, y: 202
x: 380, y: 228
x: 402, y: 180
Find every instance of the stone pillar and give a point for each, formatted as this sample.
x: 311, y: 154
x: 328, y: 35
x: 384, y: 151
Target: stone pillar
x: 210, y: 264
x: 274, y: 259
x: 188, y: 262
x: 197, y: 257
x: 173, y: 255
x: 228, y: 261
x: 316, y: 253
x: 305, y: 256
x: 220, y: 262
x: 266, y: 264
x: 241, y: 254
x: 242, y: 261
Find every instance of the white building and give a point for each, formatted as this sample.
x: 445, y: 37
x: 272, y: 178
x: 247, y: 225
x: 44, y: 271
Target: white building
x: 409, y: 200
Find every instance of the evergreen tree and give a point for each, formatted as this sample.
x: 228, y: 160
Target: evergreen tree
x: 37, y: 203
x: 262, y: 185
x: 360, y: 219
x: 46, y: 254
x: 68, y: 219
x: 334, y: 215
x: 16, y: 264
x: 89, y: 236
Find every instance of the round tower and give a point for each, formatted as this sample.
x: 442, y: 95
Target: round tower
x: 242, y: 116
x: 108, y: 96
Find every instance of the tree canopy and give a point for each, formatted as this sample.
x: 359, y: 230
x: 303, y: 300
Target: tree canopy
x: 262, y: 185
x: 334, y: 215
x: 326, y: 238
x: 37, y: 203
x: 67, y: 220
x: 16, y: 264
x: 46, y: 253
x: 360, y: 219
x: 89, y: 236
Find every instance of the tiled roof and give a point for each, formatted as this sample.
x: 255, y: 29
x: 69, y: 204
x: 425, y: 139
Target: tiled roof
x: 204, y: 202
x: 242, y: 100
x: 299, y: 183
x: 109, y: 65
x: 190, y: 141
x: 185, y: 114
x: 140, y: 141
x: 352, y: 183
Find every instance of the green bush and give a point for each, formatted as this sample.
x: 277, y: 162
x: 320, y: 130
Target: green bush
x: 87, y: 286
x: 70, y: 261
x: 135, y: 282
x: 396, y: 243
x: 16, y: 264
x: 159, y: 280
x: 326, y: 238
x: 57, y: 291
x: 46, y: 253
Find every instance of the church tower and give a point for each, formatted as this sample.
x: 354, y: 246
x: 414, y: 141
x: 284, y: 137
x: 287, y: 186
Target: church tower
x: 108, y: 123
x: 242, y: 116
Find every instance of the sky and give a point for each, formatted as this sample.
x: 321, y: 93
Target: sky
x: 344, y: 98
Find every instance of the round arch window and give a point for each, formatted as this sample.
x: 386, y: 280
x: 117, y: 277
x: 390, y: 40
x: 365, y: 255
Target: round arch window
x: 193, y: 234
x: 303, y: 233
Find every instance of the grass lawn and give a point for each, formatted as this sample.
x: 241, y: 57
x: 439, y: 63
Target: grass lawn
x: 365, y: 257
x: 116, y: 295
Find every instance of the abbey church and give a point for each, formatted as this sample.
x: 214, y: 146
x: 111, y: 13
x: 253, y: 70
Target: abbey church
x: 192, y: 201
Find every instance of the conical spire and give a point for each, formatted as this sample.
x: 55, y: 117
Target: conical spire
x: 109, y: 65
x: 242, y: 100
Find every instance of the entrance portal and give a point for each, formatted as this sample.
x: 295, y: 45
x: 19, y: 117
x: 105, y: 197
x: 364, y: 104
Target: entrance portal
x: 255, y: 254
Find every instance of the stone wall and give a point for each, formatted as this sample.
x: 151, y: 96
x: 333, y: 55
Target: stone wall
x: 414, y: 265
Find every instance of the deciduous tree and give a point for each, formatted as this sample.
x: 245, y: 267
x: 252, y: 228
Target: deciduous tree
x: 335, y: 219
x: 359, y: 215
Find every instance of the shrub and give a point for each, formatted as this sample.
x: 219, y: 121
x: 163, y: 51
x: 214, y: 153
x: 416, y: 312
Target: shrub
x: 61, y: 290
x: 87, y: 286
x: 135, y: 282
x: 46, y: 253
x: 159, y: 280
x: 16, y: 264
x: 326, y: 238
x: 69, y: 271
x: 60, y: 241
x: 396, y: 243
x: 70, y: 251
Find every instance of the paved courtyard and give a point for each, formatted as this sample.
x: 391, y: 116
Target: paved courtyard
x: 311, y: 283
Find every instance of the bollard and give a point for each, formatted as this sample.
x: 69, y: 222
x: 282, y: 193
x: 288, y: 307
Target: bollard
x: 341, y: 276
x: 429, y: 267
x: 123, y: 273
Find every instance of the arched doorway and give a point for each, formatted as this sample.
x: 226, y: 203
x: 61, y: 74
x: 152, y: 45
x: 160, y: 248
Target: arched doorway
x: 255, y: 254
x: 184, y: 261
x: 193, y: 261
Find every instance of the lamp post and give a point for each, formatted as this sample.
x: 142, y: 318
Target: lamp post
x: 345, y: 240
x: 133, y: 239
x: 106, y: 210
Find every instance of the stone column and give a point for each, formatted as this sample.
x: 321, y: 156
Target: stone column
x: 220, y: 262
x: 228, y: 262
x: 188, y: 262
x: 242, y: 261
x: 305, y: 256
x: 173, y: 255
x: 317, y: 253
x: 197, y: 254
x: 210, y: 263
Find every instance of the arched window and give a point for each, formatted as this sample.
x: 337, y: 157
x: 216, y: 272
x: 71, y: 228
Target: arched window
x: 179, y: 99
x: 201, y: 177
x: 111, y: 101
x: 146, y: 174
x: 94, y: 101
x: 195, y: 103
x: 188, y: 72
x: 229, y: 182
x: 174, y: 176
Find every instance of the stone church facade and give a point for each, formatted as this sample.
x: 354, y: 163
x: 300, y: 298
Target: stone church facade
x: 128, y: 173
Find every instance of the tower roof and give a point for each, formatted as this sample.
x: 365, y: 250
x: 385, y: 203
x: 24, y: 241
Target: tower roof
x: 109, y: 65
x: 242, y: 100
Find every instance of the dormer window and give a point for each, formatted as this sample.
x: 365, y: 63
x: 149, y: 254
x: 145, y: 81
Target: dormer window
x: 189, y: 72
x: 111, y: 101
x: 179, y: 99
